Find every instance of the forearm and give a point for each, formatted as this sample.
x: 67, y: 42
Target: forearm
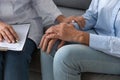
x: 81, y: 37
x: 107, y: 44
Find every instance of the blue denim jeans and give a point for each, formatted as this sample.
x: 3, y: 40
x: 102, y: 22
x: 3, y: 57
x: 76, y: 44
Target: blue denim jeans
x: 70, y: 60
x: 14, y: 65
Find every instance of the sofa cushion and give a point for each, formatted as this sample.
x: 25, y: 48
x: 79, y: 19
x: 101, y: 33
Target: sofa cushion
x: 70, y: 11
x: 80, y: 4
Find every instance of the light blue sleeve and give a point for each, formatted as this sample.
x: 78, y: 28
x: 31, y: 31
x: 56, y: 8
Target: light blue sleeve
x: 91, y: 15
x: 108, y: 44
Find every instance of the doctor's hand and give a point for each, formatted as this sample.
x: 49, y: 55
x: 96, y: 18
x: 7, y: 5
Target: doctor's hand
x: 78, y: 19
x: 7, y: 33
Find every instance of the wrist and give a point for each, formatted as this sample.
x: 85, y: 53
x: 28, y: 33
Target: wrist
x: 60, y: 18
x: 86, y: 38
x: 82, y: 37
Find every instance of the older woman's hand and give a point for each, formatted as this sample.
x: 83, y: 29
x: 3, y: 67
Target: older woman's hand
x: 7, y: 33
x: 67, y: 32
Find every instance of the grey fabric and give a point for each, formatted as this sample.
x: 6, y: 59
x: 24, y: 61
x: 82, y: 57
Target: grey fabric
x: 70, y: 12
x: 23, y: 11
x: 80, y: 4
x: 94, y: 76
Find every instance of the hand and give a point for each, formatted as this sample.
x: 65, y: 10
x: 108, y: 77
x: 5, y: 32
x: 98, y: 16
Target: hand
x: 47, y: 44
x: 67, y: 32
x: 7, y: 33
x: 78, y: 19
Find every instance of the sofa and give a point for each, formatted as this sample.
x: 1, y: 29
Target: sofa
x: 69, y: 8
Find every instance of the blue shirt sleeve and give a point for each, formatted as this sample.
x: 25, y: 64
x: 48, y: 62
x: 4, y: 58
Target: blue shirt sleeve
x: 108, y: 44
x: 91, y: 15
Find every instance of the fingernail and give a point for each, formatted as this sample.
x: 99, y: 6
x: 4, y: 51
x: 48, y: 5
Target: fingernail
x: 9, y: 41
x: 16, y: 41
x: 0, y: 39
x: 13, y: 41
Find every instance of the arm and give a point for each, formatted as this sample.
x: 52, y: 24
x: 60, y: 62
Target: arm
x: 47, y: 10
x: 91, y: 15
x: 107, y: 44
x: 67, y: 32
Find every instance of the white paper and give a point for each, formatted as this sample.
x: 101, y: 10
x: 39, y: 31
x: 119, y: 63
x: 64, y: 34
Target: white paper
x: 22, y: 31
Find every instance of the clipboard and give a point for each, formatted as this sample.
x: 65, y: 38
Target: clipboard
x: 22, y: 31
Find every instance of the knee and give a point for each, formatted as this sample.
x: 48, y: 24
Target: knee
x: 70, y: 54
x: 63, y: 56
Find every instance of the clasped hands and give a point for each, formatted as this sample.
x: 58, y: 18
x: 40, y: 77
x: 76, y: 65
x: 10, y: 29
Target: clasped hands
x: 64, y: 31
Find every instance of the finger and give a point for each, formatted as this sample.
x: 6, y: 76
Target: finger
x: 79, y: 22
x: 45, y: 44
x: 82, y: 23
x: 42, y: 41
x: 13, y: 33
x: 69, y: 19
x: 82, y: 20
x: 5, y: 36
x: 1, y: 38
x: 53, y: 36
x: 52, y: 30
x: 50, y: 45
x: 9, y: 35
x: 49, y: 30
x: 61, y: 44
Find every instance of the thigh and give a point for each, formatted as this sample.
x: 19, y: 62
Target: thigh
x: 85, y: 59
x: 1, y: 65
x: 1, y: 58
x: 26, y: 53
x: 17, y: 62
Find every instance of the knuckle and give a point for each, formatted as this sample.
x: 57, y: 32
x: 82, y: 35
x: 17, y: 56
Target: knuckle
x: 63, y: 24
x: 5, y: 28
x: 11, y: 37
x: 10, y: 27
x: 52, y: 29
